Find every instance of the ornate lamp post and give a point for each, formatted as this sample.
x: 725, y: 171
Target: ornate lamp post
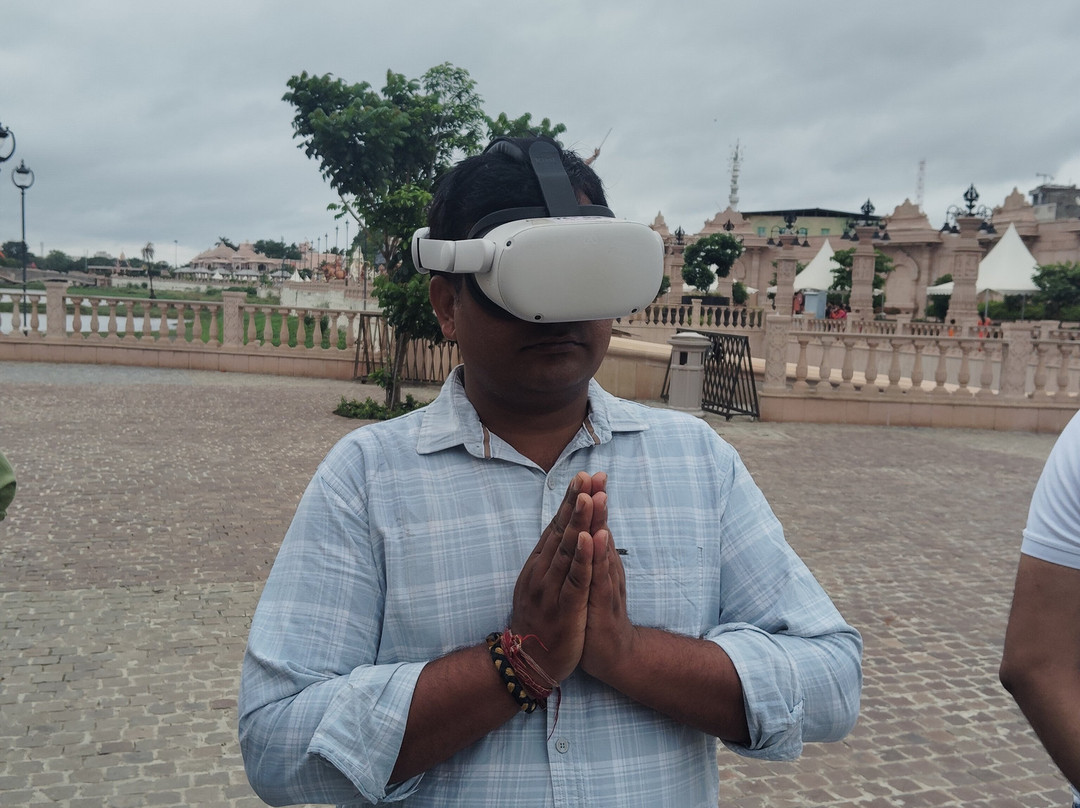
x: 777, y: 233
x: 864, y: 232
x: 968, y: 223
x: 23, y: 178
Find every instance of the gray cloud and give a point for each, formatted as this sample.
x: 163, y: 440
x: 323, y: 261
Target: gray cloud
x: 153, y: 122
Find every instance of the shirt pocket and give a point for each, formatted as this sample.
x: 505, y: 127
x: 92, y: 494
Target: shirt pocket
x: 665, y: 586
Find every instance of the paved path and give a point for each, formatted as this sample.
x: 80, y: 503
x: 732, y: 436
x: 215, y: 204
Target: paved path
x: 151, y: 504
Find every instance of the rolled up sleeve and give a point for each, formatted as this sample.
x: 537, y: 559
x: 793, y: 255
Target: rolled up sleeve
x: 798, y: 661
x: 320, y: 720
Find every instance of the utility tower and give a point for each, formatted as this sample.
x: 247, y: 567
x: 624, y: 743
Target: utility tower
x: 736, y: 158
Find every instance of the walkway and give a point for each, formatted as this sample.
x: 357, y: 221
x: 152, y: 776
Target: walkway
x: 151, y: 504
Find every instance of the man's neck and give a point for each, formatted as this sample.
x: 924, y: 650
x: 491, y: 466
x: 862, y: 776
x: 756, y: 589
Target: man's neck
x: 537, y: 430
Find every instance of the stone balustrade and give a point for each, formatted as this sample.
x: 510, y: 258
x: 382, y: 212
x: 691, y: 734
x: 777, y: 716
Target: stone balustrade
x: 231, y: 335
x: 1016, y: 376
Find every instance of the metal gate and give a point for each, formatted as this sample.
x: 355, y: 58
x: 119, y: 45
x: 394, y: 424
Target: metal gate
x: 729, y: 387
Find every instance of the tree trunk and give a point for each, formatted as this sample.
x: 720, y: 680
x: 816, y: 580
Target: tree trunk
x: 393, y: 390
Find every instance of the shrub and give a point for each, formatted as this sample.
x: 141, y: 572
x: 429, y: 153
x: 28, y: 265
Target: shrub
x: 371, y: 410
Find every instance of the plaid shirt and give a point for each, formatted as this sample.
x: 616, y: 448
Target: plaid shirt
x: 406, y: 546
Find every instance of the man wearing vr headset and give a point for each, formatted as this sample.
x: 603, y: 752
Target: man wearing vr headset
x: 531, y: 592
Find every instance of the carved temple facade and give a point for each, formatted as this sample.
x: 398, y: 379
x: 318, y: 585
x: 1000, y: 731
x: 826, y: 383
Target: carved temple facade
x: 920, y: 252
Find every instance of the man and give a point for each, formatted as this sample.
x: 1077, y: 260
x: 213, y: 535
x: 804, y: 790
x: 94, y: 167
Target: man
x: 1041, y: 663
x: 641, y: 584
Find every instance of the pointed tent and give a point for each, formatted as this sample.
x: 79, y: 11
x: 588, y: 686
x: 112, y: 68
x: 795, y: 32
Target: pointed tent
x: 818, y: 274
x: 1008, y: 267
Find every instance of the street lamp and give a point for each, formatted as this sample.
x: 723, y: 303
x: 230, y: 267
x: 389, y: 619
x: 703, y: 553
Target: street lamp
x: 23, y: 178
x: 789, y: 228
x: 6, y: 150
x: 971, y: 198
x: 868, y: 220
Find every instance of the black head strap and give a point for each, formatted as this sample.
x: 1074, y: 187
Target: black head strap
x: 559, y: 196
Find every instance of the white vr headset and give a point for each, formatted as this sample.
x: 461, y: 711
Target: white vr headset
x: 560, y: 262
x: 559, y: 269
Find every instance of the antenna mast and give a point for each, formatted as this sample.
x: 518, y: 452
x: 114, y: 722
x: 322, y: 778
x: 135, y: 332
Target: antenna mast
x: 736, y: 158
x: 920, y: 183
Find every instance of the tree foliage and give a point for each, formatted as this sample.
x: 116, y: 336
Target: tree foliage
x: 504, y: 126
x: 1059, y: 286
x: 883, y: 265
x: 277, y: 249
x: 710, y: 257
x: 381, y: 151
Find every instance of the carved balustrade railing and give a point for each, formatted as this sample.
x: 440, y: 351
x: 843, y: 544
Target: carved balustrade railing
x: 1016, y: 363
x: 232, y: 324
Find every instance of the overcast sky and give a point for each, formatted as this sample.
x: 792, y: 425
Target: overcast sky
x: 147, y: 121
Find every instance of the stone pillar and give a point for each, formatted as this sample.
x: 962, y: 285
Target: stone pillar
x: 673, y: 264
x: 1017, y: 349
x: 963, y: 304
x: 234, y: 331
x: 777, y: 327
x: 55, y: 310
x: 785, y: 281
x: 862, y: 275
x: 688, y: 351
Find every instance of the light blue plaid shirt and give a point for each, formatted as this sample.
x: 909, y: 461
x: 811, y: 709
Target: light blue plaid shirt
x: 406, y: 546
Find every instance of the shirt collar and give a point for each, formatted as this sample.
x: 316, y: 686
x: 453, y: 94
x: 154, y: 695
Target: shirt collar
x: 450, y: 419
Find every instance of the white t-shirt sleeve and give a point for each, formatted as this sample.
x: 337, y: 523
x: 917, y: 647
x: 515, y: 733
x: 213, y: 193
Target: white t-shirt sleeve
x: 1053, y: 525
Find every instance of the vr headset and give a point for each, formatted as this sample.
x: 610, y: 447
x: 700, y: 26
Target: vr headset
x: 562, y: 262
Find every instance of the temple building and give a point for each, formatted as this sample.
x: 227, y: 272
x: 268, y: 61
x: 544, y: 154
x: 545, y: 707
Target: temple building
x: 921, y: 252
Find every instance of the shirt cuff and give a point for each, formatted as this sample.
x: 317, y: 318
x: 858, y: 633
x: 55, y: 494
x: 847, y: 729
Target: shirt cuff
x: 772, y: 693
x: 362, y: 729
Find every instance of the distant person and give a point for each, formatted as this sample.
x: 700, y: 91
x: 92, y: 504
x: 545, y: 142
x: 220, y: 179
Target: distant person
x: 952, y: 328
x: 444, y: 626
x: 1041, y: 663
x: 797, y: 303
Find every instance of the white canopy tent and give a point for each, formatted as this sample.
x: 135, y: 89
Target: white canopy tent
x: 1008, y: 268
x: 818, y: 274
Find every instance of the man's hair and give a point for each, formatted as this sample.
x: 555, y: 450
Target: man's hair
x: 498, y: 179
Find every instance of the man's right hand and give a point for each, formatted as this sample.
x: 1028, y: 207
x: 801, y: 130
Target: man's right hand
x: 551, y: 596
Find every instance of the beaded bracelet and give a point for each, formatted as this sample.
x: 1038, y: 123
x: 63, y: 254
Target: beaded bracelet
x: 513, y: 685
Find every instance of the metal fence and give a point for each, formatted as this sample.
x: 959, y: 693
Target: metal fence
x: 729, y: 387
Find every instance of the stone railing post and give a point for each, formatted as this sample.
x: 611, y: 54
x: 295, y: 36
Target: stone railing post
x: 777, y: 328
x: 234, y: 333
x: 1017, y: 348
x: 55, y: 310
x: 687, y: 371
x: 695, y: 312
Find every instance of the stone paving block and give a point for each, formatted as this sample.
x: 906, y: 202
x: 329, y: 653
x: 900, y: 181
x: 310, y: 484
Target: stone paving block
x: 147, y: 519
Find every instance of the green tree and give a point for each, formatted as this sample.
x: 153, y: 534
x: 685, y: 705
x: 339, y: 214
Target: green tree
x: 503, y: 126
x: 148, y: 259
x: 277, y: 249
x: 381, y: 151
x: 710, y: 257
x: 883, y: 265
x: 1059, y: 287
x: 227, y: 243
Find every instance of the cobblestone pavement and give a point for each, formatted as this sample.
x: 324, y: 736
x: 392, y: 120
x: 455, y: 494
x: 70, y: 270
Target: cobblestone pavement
x: 151, y: 504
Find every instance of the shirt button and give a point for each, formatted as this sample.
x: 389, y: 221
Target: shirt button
x: 551, y: 483
x: 562, y: 746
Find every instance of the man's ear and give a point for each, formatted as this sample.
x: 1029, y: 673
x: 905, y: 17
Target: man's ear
x: 443, y: 295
